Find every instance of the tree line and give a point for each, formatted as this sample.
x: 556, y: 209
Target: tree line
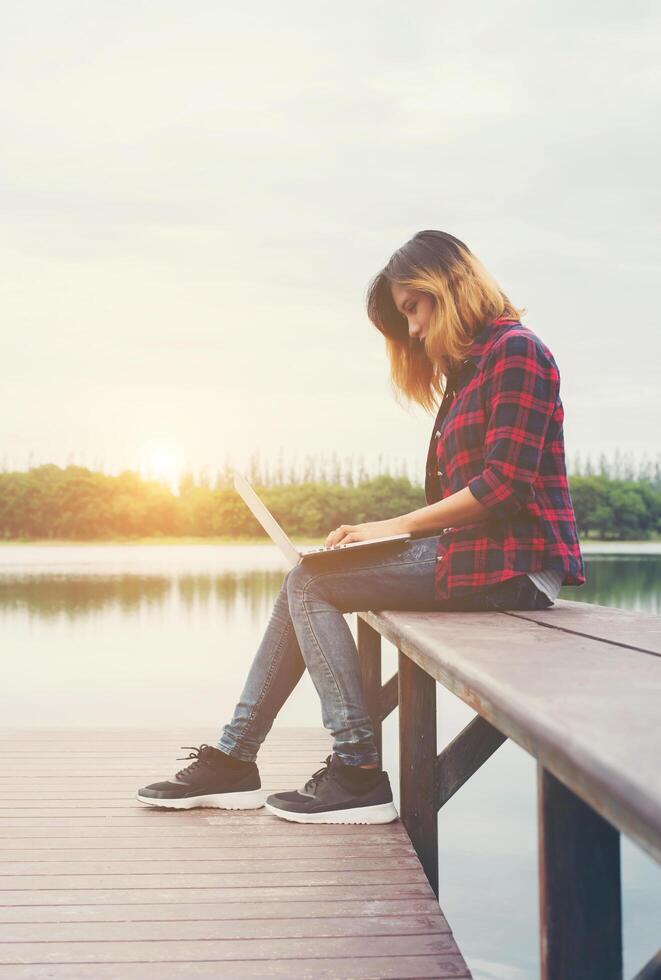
x: 279, y: 470
x: 76, y: 503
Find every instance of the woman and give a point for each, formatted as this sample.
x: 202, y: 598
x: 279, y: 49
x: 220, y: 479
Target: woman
x: 498, y: 532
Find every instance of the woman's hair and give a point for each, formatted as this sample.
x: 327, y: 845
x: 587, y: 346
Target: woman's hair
x: 465, y: 298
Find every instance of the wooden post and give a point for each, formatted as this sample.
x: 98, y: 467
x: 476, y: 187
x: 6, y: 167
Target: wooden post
x: 369, y: 652
x: 417, y: 763
x: 579, y: 887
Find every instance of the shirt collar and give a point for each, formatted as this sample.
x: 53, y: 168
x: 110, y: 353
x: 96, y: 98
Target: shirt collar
x: 485, y: 338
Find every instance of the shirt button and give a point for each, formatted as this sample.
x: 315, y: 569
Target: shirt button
x: 441, y: 558
x: 439, y: 473
x: 437, y: 434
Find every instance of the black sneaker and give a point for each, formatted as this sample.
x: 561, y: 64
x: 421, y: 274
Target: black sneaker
x: 338, y: 794
x: 213, y: 779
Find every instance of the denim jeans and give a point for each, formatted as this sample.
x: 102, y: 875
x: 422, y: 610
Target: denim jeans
x: 307, y: 628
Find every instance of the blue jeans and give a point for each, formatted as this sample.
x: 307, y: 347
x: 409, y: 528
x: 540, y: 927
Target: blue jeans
x: 307, y: 628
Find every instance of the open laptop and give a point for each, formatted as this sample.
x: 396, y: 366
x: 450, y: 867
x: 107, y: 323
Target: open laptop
x: 287, y: 547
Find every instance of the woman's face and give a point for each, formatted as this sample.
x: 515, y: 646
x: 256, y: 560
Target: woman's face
x: 416, y: 306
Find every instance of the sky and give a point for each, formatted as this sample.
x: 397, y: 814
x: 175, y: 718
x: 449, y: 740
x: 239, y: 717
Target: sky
x: 196, y: 195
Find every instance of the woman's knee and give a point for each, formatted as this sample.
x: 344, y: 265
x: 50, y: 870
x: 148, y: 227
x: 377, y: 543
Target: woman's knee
x: 295, y: 580
x: 300, y: 582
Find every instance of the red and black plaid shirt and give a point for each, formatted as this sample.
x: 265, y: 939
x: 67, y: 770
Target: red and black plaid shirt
x: 499, y: 432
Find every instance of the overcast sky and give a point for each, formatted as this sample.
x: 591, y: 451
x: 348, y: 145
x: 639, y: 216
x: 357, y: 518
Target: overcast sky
x: 196, y: 194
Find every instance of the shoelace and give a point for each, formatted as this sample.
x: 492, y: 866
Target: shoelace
x: 318, y: 776
x: 196, y: 754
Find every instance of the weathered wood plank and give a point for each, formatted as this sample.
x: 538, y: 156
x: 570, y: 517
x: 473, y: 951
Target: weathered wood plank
x: 202, y: 831
x: 443, y: 966
x: 223, y: 951
x: 627, y: 628
x: 270, y: 863
x: 536, y: 685
x: 129, y: 771
x: 283, y: 927
x: 227, y: 879
x: 154, y: 736
x: 142, y: 894
x: 214, y: 911
x: 277, y: 850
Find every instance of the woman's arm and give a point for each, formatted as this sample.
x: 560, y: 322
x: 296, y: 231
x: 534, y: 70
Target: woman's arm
x: 454, y: 511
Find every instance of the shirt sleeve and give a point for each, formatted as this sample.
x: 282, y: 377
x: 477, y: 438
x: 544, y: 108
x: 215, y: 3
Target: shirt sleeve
x: 521, y: 391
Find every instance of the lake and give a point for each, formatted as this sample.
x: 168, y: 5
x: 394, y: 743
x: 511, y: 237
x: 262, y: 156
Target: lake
x: 122, y: 635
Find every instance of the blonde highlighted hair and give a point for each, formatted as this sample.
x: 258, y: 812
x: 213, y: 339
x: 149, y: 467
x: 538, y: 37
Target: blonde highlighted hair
x: 465, y: 298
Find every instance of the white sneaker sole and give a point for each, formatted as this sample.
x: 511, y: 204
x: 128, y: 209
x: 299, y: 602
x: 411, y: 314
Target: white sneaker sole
x: 380, y: 813
x: 249, y: 800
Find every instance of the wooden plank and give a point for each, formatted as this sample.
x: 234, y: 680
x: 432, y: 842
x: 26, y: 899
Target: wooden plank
x: 143, y: 894
x: 35, y: 882
x: 439, y: 965
x: 278, y: 850
x: 579, y: 887
x: 536, y: 685
x: 184, y: 819
x: 153, y: 735
x: 223, y: 951
x: 251, y: 927
x: 134, y: 770
x: 201, y: 831
x: 214, y: 911
x: 280, y: 861
x: 623, y: 627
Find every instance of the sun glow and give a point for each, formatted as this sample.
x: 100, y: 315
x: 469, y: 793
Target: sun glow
x: 161, y: 463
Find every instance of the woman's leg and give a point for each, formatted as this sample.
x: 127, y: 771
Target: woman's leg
x: 320, y: 593
x: 280, y: 662
x: 273, y: 675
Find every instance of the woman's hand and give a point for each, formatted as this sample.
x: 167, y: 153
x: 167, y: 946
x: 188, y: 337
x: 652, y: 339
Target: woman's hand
x: 346, y: 533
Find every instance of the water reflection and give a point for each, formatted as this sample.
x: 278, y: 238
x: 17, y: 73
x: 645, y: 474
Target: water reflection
x: 623, y: 581
x: 257, y: 590
x: 75, y: 596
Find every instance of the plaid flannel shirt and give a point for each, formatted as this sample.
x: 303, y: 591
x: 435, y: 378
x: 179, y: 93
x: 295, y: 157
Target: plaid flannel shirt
x: 499, y: 432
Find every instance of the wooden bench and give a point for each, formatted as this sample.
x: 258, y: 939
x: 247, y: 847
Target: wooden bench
x: 578, y: 686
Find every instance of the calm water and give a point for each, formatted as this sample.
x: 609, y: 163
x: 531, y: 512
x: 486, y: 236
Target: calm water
x: 138, y: 636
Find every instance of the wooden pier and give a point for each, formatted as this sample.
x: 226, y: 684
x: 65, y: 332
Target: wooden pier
x: 578, y: 686
x: 96, y: 886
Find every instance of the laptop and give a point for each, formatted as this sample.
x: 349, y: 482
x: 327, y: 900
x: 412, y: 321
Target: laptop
x: 287, y: 547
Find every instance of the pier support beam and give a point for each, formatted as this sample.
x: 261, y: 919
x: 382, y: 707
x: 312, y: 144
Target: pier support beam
x: 579, y: 887
x: 417, y: 763
x: 369, y: 653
